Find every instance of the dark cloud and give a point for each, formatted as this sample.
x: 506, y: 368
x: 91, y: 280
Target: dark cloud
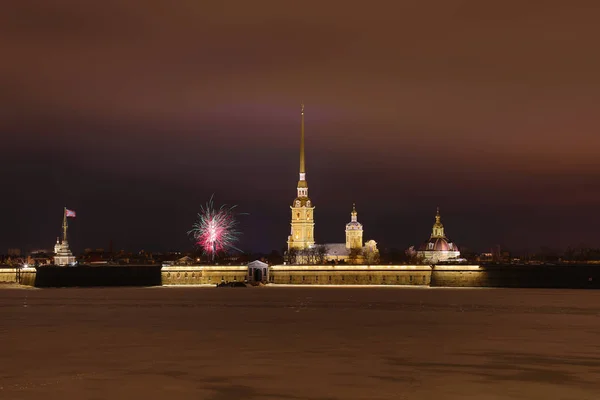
x: 138, y: 111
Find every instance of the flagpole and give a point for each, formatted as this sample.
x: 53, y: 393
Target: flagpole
x: 65, y: 226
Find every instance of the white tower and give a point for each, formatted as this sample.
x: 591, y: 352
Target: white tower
x: 354, y: 231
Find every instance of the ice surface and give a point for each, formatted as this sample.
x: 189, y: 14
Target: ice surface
x: 299, y: 343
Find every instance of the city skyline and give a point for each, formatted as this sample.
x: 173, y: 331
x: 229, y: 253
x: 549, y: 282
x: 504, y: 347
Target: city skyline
x: 408, y: 107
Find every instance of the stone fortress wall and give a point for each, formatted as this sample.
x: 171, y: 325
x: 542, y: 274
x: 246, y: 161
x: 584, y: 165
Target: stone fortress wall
x: 539, y: 276
x: 24, y: 276
x: 203, y: 275
x: 351, y: 274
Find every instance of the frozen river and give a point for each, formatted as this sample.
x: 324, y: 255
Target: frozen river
x: 299, y: 343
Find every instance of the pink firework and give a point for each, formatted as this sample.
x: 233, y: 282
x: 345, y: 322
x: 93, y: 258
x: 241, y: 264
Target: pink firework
x: 215, y: 230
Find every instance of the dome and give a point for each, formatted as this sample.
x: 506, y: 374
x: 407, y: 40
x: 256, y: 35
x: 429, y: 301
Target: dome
x: 438, y: 244
x: 353, y: 226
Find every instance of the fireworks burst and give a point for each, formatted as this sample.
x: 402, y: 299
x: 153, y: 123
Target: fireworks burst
x: 215, y: 230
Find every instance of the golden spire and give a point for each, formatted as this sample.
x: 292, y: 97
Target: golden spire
x: 302, y: 167
x: 438, y: 228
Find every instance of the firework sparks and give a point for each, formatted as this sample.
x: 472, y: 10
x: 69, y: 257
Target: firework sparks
x: 215, y: 230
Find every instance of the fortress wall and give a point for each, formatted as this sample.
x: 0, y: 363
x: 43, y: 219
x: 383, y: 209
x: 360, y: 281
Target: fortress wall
x: 203, y: 275
x: 582, y: 276
x: 541, y: 276
x: 351, y: 274
x: 25, y: 276
x: 86, y: 276
x: 459, y: 276
x: 8, y: 275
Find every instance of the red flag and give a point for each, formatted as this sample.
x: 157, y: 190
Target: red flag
x: 70, y: 213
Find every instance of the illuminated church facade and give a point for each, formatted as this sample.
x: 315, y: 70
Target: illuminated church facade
x: 438, y: 248
x: 302, y: 234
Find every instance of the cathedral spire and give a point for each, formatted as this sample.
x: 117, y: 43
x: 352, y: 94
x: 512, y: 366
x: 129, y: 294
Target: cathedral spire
x: 303, y: 224
x: 354, y: 213
x: 302, y: 166
x: 302, y: 184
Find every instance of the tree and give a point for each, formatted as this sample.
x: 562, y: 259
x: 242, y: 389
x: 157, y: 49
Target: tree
x: 291, y: 256
x: 354, y: 256
x: 321, y: 255
x: 371, y: 253
x: 371, y: 257
x: 274, y: 258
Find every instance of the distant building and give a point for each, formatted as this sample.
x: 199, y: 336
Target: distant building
x: 40, y: 258
x: 14, y: 252
x: 353, y: 250
x: 438, y: 248
x: 62, y: 253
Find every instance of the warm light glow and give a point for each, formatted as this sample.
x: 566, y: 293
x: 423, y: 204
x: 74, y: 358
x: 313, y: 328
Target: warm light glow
x: 351, y: 267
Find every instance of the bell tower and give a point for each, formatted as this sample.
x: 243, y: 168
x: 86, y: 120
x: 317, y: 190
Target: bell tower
x: 354, y: 231
x: 303, y: 224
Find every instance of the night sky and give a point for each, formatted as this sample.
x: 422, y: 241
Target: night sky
x: 134, y: 113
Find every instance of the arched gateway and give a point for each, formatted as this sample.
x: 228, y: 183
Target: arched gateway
x: 258, y: 271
